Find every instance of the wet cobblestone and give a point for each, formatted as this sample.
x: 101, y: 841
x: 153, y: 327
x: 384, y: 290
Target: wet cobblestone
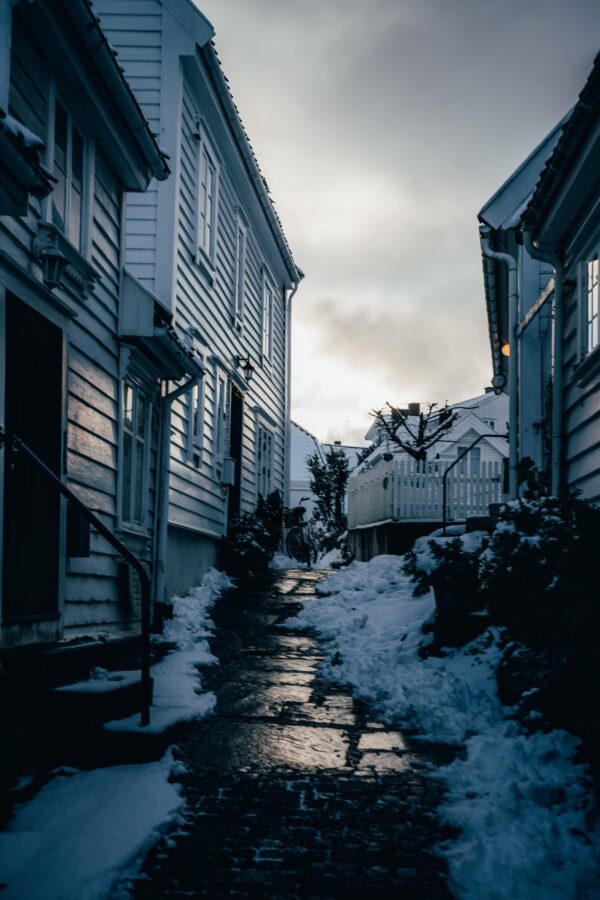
x: 292, y: 790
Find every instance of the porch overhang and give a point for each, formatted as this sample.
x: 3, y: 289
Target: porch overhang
x: 21, y: 173
x: 146, y: 324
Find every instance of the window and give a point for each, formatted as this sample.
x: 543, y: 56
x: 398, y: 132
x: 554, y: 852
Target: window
x: 239, y: 274
x: 267, y: 319
x: 471, y: 463
x: 195, y: 423
x: 208, y: 190
x: 220, y: 423
x: 67, y: 196
x: 264, y: 461
x: 136, y: 413
x: 593, y: 296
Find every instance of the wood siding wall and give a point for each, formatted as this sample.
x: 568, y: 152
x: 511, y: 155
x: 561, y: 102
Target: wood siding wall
x: 92, y: 599
x: 135, y: 28
x: 197, y: 499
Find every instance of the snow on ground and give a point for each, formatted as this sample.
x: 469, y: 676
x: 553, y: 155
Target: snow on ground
x: 281, y: 561
x: 177, y: 687
x: 83, y: 828
x: 78, y: 834
x: 520, y: 800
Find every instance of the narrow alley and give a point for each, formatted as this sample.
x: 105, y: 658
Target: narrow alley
x: 291, y: 789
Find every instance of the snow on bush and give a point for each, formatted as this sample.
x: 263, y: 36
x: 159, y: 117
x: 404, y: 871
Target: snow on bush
x: 519, y: 799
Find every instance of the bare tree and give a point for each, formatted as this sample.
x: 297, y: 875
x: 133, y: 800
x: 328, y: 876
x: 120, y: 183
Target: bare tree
x: 412, y: 430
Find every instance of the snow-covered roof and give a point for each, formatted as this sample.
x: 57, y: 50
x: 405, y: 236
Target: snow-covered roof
x: 303, y: 444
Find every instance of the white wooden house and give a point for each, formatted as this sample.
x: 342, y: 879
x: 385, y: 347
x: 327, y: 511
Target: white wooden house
x: 209, y: 246
x: 392, y: 499
x: 302, y: 445
x: 73, y: 139
x: 540, y: 238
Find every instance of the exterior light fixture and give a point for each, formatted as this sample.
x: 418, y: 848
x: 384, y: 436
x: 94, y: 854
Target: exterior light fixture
x: 505, y: 349
x: 53, y: 266
x: 245, y: 364
x: 498, y: 383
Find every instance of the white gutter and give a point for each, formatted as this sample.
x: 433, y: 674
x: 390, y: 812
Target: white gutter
x: 161, y: 515
x: 513, y: 359
x: 288, y: 395
x: 6, y: 8
x: 557, y: 354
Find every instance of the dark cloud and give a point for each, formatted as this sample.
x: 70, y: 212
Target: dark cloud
x: 382, y: 128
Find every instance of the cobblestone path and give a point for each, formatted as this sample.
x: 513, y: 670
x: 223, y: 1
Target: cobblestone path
x: 291, y: 789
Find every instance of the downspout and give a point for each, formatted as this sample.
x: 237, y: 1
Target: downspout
x: 513, y: 359
x: 6, y: 8
x: 288, y: 393
x: 162, y: 486
x: 557, y: 355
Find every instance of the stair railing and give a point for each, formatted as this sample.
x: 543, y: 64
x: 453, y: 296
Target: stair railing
x: 16, y: 444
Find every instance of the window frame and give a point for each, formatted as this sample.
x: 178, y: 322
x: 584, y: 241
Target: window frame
x: 239, y: 272
x: 220, y: 428
x: 138, y: 387
x: 87, y: 173
x: 591, y: 303
x: 206, y: 150
x: 195, y: 423
x: 268, y: 315
x: 264, y: 480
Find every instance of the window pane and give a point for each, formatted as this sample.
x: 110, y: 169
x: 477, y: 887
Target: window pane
x: 128, y: 407
x: 60, y: 167
x: 76, y: 198
x: 126, y: 492
x: 139, y: 480
x: 141, y: 416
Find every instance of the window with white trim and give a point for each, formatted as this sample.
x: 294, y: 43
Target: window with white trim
x: 195, y: 424
x: 68, y: 196
x: 267, y: 318
x: 264, y: 461
x: 208, y: 197
x: 135, y: 447
x: 220, y: 421
x: 240, y: 272
x: 593, y: 304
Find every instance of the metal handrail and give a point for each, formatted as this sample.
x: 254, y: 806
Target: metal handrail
x: 16, y: 444
x: 451, y: 466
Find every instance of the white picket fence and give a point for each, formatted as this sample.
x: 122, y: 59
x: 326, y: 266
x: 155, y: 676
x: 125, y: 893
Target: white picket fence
x: 404, y: 490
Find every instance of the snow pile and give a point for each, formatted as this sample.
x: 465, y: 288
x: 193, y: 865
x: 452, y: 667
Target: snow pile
x: 177, y: 688
x: 519, y: 799
x: 83, y: 828
x: 280, y: 561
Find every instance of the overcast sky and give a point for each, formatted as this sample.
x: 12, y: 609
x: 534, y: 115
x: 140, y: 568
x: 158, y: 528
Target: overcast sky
x: 382, y: 127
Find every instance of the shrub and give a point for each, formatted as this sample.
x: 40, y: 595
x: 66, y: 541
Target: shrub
x: 253, y: 538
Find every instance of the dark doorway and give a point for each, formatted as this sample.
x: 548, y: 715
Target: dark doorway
x: 235, y: 451
x: 34, y: 398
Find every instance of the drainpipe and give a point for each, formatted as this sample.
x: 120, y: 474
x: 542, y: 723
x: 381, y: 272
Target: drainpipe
x: 162, y: 487
x: 557, y: 355
x: 288, y: 393
x: 6, y: 8
x: 513, y: 359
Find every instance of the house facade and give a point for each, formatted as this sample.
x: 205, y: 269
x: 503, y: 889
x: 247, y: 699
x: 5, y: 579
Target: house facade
x: 73, y: 139
x: 209, y: 247
x: 540, y: 238
x: 303, y: 444
x: 393, y: 499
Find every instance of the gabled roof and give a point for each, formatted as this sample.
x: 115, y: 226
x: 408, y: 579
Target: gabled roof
x: 574, y: 138
x: 504, y: 209
x: 240, y: 134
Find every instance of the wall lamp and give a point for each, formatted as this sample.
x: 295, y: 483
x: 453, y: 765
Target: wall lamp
x: 245, y: 364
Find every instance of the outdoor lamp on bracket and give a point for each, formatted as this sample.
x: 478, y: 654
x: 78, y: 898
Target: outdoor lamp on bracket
x: 245, y: 364
x: 498, y: 383
x: 53, y: 266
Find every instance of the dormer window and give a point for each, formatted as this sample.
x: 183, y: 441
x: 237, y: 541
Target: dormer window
x: 208, y: 197
x: 68, y: 194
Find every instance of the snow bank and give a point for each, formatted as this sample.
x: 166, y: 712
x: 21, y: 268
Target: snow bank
x: 177, y: 687
x: 76, y: 836
x: 519, y: 799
